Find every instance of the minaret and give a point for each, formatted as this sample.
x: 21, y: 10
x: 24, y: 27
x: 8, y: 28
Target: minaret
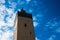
x: 23, y: 27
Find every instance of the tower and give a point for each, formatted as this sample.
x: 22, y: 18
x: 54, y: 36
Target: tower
x: 23, y: 27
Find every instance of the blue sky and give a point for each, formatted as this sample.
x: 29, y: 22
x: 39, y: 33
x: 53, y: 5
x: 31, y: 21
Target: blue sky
x: 45, y: 13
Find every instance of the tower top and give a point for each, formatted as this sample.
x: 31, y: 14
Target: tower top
x: 22, y: 10
x: 23, y: 13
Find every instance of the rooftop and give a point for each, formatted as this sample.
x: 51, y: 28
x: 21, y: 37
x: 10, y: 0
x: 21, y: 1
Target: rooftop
x: 23, y: 13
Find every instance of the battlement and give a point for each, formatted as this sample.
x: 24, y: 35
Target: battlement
x: 23, y: 13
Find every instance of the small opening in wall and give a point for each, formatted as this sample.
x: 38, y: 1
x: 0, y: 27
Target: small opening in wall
x: 25, y: 25
x: 30, y: 33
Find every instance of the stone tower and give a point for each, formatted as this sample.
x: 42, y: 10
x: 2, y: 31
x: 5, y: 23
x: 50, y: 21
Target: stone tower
x: 23, y: 27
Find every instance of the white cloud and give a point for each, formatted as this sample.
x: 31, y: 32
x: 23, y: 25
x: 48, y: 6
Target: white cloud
x: 7, y: 35
x: 52, y: 37
x: 34, y: 18
x: 28, y: 0
x: 10, y: 11
x: 5, y: 28
x: 6, y: 11
x: 35, y: 24
x: 10, y: 21
x: 37, y: 38
x: 38, y: 17
x: 30, y: 10
x: 2, y: 23
x: 12, y: 4
x: 1, y: 17
x: 2, y: 7
x: 2, y: 1
x: 52, y: 24
x: 1, y: 32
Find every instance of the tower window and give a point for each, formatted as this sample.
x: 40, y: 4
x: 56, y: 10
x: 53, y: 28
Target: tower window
x: 25, y: 25
x: 30, y: 33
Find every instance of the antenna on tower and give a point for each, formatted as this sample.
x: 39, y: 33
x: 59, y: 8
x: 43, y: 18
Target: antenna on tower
x: 22, y: 10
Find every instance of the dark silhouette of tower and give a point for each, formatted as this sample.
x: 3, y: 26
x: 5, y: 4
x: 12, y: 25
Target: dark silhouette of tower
x: 23, y: 27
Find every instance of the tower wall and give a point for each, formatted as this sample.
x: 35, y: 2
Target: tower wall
x: 23, y: 29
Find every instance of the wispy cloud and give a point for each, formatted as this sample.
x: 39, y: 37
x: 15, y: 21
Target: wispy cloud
x: 12, y: 4
x: 28, y: 1
x: 35, y: 24
x: 2, y: 1
x: 52, y: 37
x: 7, y: 16
x: 37, y: 19
x: 37, y: 38
x: 6, y: 35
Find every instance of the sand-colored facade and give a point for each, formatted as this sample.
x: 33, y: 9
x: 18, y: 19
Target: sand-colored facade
x: 23, y: 27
